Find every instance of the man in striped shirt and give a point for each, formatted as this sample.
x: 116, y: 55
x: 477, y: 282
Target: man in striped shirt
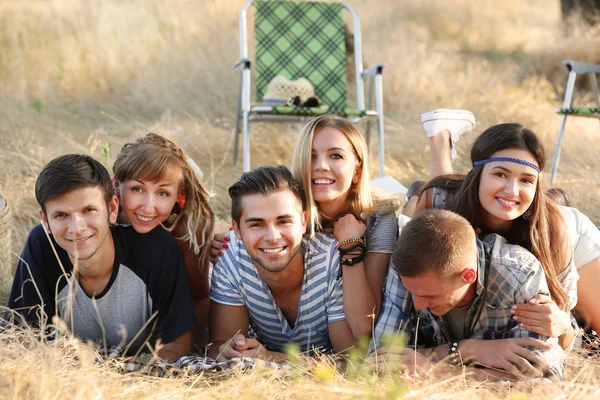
x: 285, y: 287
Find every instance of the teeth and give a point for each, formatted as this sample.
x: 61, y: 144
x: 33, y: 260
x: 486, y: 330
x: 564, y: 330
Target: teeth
x: 323, y: 181
x: 81, y: 240
x: 144, y: 219
x: 273, y: 251
x: 507, y: 202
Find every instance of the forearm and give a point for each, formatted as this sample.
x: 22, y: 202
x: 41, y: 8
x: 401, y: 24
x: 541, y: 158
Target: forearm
x: 435, y: 354
x: 359, y: 300
x: 173, y: 351
x: 271, y: 356
x: 212, y: 350
x: 171, y: 355
x: 567, y: 338
x: 201, y: 309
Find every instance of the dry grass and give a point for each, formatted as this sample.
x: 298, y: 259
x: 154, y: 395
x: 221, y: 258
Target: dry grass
x: 77, y: 74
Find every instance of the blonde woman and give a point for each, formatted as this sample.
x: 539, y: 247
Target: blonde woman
x: 330, y: 159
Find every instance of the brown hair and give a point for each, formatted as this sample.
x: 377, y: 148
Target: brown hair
x: 265, y: 181
x: 434, y: 240
x: 70, y: 172
x: 558, y: 196
x: 363, y: 199
x: 153, y: 158
x: 540, y: 229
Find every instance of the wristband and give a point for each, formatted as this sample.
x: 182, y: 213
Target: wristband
x: 355, y: 259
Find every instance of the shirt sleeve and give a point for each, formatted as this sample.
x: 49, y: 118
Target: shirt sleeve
x: 584, y: 235
x: 534, y: 282
x: 223, y: 288
x: 335, y: 292
x: 382, y: 236
x: 34, y: 283
x: 568, y: 281
x: 168, y: 285
x: 397, y: 316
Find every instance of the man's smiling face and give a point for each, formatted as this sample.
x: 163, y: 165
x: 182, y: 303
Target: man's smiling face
x: 79, y: 222
x: 271, y: 228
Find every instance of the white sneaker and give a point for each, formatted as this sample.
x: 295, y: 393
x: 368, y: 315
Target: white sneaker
x: 457, y: 122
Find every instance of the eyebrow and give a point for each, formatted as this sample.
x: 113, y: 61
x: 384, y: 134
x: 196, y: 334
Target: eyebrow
x: 508, y: 170
x: 162, y: 185
x: 254, y: 219
x: 82, y: 208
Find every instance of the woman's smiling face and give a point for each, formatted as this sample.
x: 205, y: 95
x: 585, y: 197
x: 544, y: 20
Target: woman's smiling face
x: 334, y: 169
x: 146, y: 204
x: 507, y: 189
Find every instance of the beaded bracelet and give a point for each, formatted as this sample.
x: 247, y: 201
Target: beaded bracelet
x: 454, y: 354
x: 350, y: 240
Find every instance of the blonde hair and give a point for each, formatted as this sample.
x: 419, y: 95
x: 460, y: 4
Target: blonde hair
x: 363, y: 200
x: 154, y: 158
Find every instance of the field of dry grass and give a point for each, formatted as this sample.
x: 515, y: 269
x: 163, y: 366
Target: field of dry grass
x: 75, y: 75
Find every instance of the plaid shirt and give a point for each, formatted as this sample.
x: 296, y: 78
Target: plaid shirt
x: 507, y: 274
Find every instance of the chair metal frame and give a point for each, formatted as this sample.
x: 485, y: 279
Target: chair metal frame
x: 574, y: 67
x: 246, y: 113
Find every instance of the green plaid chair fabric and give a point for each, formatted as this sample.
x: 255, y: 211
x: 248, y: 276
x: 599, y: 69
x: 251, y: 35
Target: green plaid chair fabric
x: 302, y: 39
x: 575, y: 68
x: 299, y: 39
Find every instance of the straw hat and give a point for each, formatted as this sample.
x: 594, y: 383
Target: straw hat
x: 281, y: 88
x: 5, y: 236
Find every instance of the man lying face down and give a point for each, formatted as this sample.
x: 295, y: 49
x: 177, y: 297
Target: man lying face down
x: 451, y: 295
x: 108, y: 283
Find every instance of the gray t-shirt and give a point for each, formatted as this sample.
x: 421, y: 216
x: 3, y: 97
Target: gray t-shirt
x: 148, y: 291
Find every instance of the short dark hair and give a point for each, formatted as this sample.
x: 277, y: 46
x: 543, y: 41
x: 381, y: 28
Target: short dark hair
x: 70, y: 172
x: 265, y: 181
x: 434, y: 240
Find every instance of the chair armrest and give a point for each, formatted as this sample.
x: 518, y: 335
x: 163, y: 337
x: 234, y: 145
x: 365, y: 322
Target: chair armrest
x: 581, y: 67
x: 373, y: 70
x: 242, y: 64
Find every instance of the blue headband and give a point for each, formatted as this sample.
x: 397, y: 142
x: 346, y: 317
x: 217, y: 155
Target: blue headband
x: 509, y: 159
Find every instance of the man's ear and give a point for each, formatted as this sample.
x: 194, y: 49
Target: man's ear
x: 468, y: 275
x: 113, y: 209
x: 303, y: 218
x: 45, y: 221
x: 236, y: 229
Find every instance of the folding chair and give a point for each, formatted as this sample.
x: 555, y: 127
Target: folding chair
x: 575, y: 68
x: 303, y: 39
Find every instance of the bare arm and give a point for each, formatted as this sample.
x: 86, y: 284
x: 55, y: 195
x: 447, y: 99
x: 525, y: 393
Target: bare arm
x: 376, y: 268
x: 424, y: 203
x: 176, y: 349
x: 341, y: 336
x: 197, y: 272
x: 359, y: 300
x: 541, y: 315
x: 587, y: 291
x: 225, y: 322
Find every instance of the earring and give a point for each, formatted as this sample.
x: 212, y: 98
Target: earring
x: 171, y: 219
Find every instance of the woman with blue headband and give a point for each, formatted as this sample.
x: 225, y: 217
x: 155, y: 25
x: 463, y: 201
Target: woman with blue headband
x: 503, y: 194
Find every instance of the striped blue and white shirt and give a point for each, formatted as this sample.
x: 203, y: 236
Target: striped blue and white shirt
x: 236, y: 282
